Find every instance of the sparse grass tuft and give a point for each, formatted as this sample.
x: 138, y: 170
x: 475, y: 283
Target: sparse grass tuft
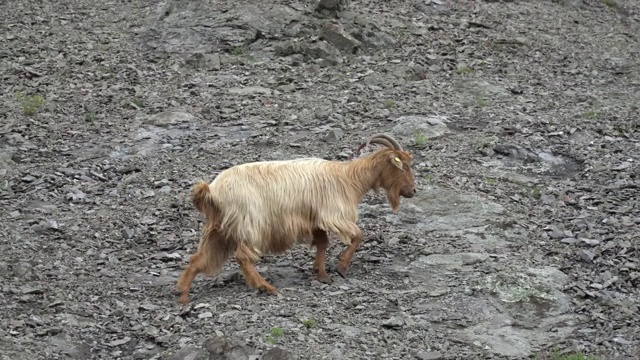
x: 239, y: 50
x: 591, y: 115
x: 536, y: 193
x: 610, y: 3
x: 490, y: 181
x: 388, y: 103
x: 89, y: 117
x: 309, y: 323
x: 30, y: 104
x: 464, y: 69
x: 273, y: 336
x: 420, y: 140
x: 138, y: 103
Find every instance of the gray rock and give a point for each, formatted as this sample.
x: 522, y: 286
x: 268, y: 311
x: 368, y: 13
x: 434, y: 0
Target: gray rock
x: 167, y: 119
x: 336, y: 36
x: 222, y: 348
x: 336, y: 354
x: 459, y: 259
x: 586, y: 255
x: 189, y: 353
x: 428, y: 355
x: 334, y: 135
x: 277, y: 353
x: 250, y: 90
x: 394, y: 322
x: 414, y: 127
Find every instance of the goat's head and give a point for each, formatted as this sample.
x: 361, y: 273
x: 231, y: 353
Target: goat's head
x: 396, y: 175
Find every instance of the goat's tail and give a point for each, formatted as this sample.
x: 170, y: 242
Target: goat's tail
x: 201, y: 198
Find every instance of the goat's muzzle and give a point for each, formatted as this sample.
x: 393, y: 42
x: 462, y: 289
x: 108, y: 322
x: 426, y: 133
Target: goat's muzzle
x: 408, y: 192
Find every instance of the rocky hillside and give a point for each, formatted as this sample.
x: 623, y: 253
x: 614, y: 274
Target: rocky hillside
x: 523, y: 240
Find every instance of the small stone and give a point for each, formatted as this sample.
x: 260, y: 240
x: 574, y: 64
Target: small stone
x: 205, y: 315
x: 334, y: 135
x: 393, y: 323
x: 622, y: 341
x: 149, y: 307
x: 188, y: 353
x: 220, y: 347
x: 556, y: 234
x: 277, y: 354
x: 336, y: 36
x: 569, y: 240
x: 161, y: 183
x: 586, y: 255
x: 428, y: 355
x: 128, y: 233
x: 120, y: 342
x: 336, y: 354
x: 591, y: 242
x: 548, y: 199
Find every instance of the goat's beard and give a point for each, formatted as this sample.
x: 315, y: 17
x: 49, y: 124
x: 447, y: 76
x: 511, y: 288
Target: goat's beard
x: 393, y: 196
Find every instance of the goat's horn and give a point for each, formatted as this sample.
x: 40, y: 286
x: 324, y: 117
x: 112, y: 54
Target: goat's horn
x: 376, y: 137
x: 383, y: 139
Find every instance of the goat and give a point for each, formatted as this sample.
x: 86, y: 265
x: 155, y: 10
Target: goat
x: 266, y: 207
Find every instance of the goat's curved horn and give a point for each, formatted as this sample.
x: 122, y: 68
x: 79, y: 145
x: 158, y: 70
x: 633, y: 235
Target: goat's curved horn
x: 389, y: 141
x: 383, y: 139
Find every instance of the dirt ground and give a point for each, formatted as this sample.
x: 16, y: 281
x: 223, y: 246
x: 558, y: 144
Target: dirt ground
x: 523, y: 240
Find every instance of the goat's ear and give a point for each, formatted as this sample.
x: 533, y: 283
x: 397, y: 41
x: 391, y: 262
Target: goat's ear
x: 397, y: 162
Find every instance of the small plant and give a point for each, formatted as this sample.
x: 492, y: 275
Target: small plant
x: 490, y: 181
x: 610, y: 3
x: 388, y: 103
x: 536, y: 193
x: 239, y: 50
x: 138, y: 102
x: 464, y: 69
x: 591, y: 115
x: 420, y: 140
x: 309, y: 323
x: 89, y: 117
x: 482, y: 102
x: 276, y: 332
x: 30, y: 104
x: 273, y: 336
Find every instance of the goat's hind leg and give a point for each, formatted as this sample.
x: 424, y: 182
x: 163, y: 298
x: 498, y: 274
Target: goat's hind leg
x: 347, y: 254
x: 321, y: 242
x: 212, y: 253
x: 196, y: 266
x: 246, y: 259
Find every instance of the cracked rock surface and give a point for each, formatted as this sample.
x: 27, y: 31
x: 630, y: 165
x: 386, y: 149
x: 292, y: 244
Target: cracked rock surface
x: 522, y: 117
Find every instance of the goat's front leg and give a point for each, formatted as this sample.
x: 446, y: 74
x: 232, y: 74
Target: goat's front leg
x: 347, y: 254
x: 321, y: 242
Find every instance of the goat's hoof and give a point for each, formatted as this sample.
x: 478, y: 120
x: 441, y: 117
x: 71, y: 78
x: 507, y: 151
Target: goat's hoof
x: 341, y: 270
x: 323, y: 278
x: 268, y: 289
x: 184, y: 298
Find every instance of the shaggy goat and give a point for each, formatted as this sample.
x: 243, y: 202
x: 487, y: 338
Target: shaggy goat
x: 268, y: 206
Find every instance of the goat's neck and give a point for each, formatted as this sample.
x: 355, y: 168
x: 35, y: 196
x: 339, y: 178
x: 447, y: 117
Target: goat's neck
x: 366, y: 171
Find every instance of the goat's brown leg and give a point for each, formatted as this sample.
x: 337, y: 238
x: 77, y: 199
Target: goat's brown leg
x: 251, y: 275
x: 346, y: 255
x: 196, y: 266
x: 321, y: 242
